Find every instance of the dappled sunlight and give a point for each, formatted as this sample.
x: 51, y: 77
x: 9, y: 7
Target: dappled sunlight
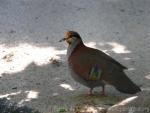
x: 131, y: 69
x: 91, y: 44
x: 127, y: 58
x: 10, y: 94
x: 67, y: 86
x: 126, y: 101
x: 89, y: 109
x: 147, y: 77
x: 114, y: 47
x: 145, y: 89
x: 94, y: 44
x: 30, y: 96
x: 118, y: 48
x: 55, y: 94
x: 16, y: 59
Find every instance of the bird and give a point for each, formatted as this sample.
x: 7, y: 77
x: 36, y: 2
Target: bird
x: 94, y: 68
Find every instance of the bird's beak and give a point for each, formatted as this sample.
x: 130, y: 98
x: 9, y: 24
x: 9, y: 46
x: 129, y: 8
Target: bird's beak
x: 62, y: 40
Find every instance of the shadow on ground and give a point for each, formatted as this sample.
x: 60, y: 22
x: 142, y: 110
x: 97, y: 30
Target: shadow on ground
x: 48, y: 86
x: 33, y: 64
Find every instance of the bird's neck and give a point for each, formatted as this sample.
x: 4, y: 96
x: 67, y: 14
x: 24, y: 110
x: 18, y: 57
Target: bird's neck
x: 72, y: 47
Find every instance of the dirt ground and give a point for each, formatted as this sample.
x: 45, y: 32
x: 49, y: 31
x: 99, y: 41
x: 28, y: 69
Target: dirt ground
x: 33, y: 64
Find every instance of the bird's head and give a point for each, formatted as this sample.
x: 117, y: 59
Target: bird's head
x: 71, y: 37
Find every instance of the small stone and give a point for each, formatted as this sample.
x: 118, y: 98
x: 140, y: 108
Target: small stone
x: 55, y: 62
x: 47, y: 38
x: 80, y: 8
x: 36, y: 18
x: 141, y: 11
x: 12, y: 31
x: 14, y: 88
x: 117, y: 33
x: 122, y: 10
x: 38, y: 84
x: 8, y: 57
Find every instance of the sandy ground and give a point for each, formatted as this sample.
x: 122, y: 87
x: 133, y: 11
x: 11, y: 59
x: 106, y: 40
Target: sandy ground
x: 29, y: 34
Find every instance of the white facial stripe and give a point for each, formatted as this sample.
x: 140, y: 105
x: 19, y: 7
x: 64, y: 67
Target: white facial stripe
x: 72, y: 46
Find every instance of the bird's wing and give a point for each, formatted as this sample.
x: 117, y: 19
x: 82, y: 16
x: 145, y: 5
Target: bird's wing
x: 95, y: 73
x: 84, y: 61
x: 106, y: 57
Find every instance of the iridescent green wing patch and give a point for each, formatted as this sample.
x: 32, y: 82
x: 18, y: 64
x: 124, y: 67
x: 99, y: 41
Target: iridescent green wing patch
x: 95, y: 73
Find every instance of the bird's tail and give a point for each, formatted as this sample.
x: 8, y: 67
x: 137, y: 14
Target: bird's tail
x: 122, y: 83
x: 126, y: 85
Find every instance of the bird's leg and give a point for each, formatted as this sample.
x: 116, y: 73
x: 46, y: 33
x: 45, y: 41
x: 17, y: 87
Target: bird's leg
x: 90, y: 91
x: 103, y: 91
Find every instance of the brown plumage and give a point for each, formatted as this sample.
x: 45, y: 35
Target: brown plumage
x: 92, y: 67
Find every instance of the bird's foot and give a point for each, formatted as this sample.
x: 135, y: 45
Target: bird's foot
x: 103, y: 94
x: 90, y: 93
